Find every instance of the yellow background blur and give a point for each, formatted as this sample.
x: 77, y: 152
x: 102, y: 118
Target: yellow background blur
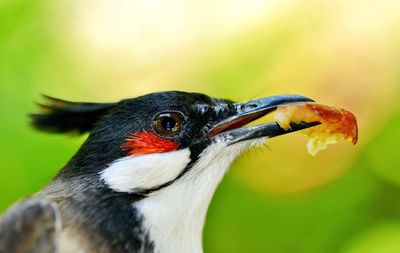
x: 277, y: 199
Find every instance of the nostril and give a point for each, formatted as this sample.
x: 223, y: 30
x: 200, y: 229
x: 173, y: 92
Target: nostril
x: 251, y: 106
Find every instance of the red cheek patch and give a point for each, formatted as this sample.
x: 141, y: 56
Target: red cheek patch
x: 141, y: 143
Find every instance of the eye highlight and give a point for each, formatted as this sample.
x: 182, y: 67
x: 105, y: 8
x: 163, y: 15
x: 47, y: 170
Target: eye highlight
x: 168, y: 123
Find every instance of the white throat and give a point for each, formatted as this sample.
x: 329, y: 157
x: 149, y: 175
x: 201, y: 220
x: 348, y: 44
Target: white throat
x: 174, y: 216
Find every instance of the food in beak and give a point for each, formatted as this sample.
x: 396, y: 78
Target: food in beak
x: 335, y: 124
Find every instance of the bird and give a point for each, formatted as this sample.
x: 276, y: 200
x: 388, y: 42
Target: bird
x: 144, y: 177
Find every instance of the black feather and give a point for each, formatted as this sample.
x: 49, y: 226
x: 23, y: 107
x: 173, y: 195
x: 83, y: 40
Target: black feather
x: 61, y: 116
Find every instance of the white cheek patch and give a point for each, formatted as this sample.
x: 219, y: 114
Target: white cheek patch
x: 145, y: 171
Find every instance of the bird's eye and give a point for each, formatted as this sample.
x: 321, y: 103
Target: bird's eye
x: 169, y: 123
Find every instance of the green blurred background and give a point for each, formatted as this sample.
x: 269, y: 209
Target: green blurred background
x: 277, y: 199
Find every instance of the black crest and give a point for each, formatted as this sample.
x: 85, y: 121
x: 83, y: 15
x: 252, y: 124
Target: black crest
x: 61, y: 116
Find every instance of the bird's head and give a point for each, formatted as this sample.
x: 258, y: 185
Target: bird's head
x: 146, y: 144
x: 149, y: 168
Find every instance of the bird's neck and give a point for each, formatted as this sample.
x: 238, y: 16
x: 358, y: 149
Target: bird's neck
x: 174, y: 217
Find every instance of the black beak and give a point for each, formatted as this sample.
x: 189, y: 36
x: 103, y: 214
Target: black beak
x: 232, y: 131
